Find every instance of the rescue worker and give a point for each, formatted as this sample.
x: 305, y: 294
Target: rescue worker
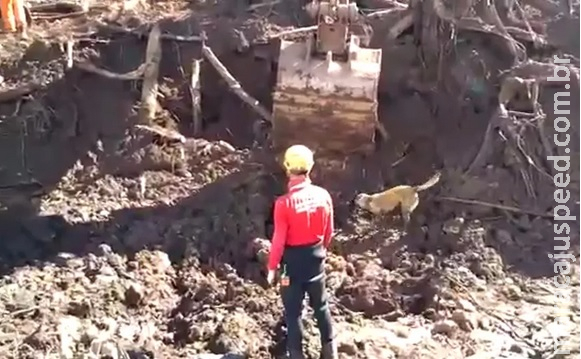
x: 13, y: 16
x: 303, y: 226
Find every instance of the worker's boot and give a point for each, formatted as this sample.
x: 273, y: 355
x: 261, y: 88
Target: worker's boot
x: 329, y: 351
x: 295, y: 354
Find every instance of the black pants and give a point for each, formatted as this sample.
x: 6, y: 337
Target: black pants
x: 292, y: 298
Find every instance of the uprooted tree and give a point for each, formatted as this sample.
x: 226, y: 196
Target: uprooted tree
x: 508, y: 38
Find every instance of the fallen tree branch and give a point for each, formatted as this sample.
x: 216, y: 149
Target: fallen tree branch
x: 149, y: 104
x: 141, y: 33
x: 494, y: 205
x: 129, y: 76
x: 235, y: 85
x: 385, y: 12
x: 293, y: 31
x: 401, y: 25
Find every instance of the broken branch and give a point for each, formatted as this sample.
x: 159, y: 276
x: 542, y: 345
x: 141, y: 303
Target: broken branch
x: 293, y: 32
x: 401, y: 25
x: 169, y: 135
x: 149, y: 103
x: 235, y: 85
x: 385, y: 12
x: 132, y: 75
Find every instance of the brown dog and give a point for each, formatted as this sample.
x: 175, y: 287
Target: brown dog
x: 404, y: 196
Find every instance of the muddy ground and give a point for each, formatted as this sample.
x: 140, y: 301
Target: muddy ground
x: 113, y: 244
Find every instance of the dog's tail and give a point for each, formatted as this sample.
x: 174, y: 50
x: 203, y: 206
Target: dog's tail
x: 429, y: 183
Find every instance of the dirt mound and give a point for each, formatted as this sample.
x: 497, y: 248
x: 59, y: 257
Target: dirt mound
x: 122, y: 240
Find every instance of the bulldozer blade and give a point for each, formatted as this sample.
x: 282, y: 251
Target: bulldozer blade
x: 329, y: 106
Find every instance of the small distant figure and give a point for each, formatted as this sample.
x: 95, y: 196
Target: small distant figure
x: 14, y: 16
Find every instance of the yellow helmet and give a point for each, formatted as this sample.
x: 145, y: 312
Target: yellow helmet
x: 298, y: 158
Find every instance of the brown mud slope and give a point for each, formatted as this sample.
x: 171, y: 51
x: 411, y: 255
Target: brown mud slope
x: 117, y: 242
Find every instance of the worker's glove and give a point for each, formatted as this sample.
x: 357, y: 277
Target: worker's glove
x: 270, y: 277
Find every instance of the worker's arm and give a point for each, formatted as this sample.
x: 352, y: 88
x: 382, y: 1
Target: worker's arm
x: 330, y: 224
x: 279, y: 236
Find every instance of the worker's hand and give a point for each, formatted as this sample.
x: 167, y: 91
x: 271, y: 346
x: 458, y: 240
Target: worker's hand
x: 270, y: 277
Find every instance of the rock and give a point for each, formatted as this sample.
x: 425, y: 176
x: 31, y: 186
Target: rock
x: 90, y: 333
x: 80, y: 308
x: 107, y: 271
x: 466, y: 305
x: 134, y: 295
x: 466, y: 321
x: 68, y: 259
x: 161, y: 261
x: 347, y: 348
x: 524, y: 222
x: 515, y: 348
x: 429, y: 260
x: 513, y: 292
x: 235, y: 334
x: 104, y: 249
x: 109, y: 350
x: 447, y: 327
x: 109, y: 326
x: 69, y: 329
x: 453, y: 226
x: 128, y: 332
x: 484, y: 323
x: 503, y: 237
x: 147, y: 332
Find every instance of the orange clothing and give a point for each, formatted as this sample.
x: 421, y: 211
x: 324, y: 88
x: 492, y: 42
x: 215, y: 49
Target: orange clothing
x: 13, y: 14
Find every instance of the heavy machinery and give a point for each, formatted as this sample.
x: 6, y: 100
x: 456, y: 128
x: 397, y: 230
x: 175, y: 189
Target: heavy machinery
x: 326, y: 91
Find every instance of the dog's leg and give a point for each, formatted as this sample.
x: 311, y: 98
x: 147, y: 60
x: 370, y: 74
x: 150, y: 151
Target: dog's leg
x: 406, y: 216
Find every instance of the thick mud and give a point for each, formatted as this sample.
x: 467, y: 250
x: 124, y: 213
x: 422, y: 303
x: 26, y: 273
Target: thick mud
x: 156, y: 250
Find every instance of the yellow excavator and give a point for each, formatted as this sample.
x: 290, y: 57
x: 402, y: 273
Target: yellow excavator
x: 326, y: 91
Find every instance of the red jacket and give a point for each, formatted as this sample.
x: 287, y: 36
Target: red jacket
x: 303, y: 216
